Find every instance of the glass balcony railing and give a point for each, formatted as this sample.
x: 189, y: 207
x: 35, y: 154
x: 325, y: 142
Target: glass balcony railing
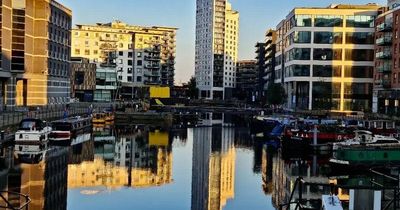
x: 387, y: 40
x: 384, y: 69
x: 384, y: 55
x: 387, y: 26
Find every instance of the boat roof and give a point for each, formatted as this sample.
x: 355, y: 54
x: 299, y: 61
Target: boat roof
x: 363, y: 131
x: 70, y: 119
x: 330, y: 202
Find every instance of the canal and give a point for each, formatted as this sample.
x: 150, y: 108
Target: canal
x: 206, y: 168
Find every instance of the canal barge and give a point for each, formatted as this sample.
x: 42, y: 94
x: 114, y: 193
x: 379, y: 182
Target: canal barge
x: 367, y: 149
x: 64, y: 130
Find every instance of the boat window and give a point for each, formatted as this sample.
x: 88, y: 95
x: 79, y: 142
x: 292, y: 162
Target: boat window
x: 31, y: 124
x: 62, y: 126
x: 389, y: 125
x: 379, y: 125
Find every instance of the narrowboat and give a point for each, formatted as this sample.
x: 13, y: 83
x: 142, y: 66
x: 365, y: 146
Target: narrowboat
x: 367, y: 149
x: 63, y: 130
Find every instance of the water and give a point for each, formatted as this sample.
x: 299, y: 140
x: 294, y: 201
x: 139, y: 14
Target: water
x: 174, y: 169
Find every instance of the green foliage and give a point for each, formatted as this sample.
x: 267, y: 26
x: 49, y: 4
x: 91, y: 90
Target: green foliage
x: 276, y: 94
x: 193, y: 91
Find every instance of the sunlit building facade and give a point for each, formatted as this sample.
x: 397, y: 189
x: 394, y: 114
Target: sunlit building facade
x: 217, y: 32
x: 213, y: 168
x: 35, y: 52
x: 140, y: 55
x: 325, y: 57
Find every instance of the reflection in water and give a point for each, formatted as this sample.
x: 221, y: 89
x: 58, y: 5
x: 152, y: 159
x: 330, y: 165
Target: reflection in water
x: 213, y: 172
x: 136, y: 159
x: 45, y: 181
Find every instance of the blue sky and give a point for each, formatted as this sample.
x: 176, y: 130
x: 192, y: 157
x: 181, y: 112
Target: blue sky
x: 255, y: 17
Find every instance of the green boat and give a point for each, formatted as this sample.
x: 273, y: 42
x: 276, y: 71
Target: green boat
x: 367, y: 149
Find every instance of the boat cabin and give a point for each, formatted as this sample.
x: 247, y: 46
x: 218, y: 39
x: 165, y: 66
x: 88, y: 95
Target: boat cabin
x: 32, y: 124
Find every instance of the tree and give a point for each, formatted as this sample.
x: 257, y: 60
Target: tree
x: 193, y: 91
x: 276, y: 94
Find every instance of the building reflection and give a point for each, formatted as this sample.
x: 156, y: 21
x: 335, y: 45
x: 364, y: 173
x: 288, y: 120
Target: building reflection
x: 140, y: 158
x: 280, y: 171
x: 213, y: 172
x: 45, y: 181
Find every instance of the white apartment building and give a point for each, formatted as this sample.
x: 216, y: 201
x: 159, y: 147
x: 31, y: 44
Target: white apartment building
x: 217, y: 32
x: 325, y: 57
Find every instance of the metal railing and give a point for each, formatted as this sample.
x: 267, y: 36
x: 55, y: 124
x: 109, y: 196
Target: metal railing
x: 9, y: 205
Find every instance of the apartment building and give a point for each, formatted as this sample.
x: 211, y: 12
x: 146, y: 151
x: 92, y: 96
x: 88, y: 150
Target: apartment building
x: 325, y: 57
x: 83, y: 79
x: 260, y: 66
x: 217, y: 32
x: 269, y: 64
x: 140, y: 55
x: 247, y: 80
x: 35, y: 52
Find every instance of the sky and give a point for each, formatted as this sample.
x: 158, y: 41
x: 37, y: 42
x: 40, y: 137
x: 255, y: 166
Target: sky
x: 256, y: 16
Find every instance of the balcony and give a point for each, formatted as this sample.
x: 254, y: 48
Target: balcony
x: 152, y: 58
x: 384, y: 27
x: 383, y: 83
x: 384, y: 55
x: 108, y: 39
x: 154, y: 66
x: 384, y: 68
x: 384, y: 41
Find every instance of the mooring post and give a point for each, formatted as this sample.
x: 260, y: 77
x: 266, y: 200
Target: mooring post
x: 315, y: 137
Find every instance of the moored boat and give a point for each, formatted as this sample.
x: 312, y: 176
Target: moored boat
x: 63, y: 130
x: 32, y: 131
x: 367, y: 149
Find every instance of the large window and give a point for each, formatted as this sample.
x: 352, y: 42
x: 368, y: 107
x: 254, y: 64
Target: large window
x: 327, y: 71
x: 358, y: 96
x: 360, y: 21
x: 298, y: 54
x: 300, y: 37
x: 301, y: 21
x: 327, y: 54
x: 328, y: 21
x: 321, y: 37
x: 297, y: 71
x: 359, y: 55
x: 359, y: 71
x: 326, y: 95
x: 360, y: 38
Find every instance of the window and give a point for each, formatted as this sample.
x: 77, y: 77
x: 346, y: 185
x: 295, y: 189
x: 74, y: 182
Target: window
x: 328, y: 37
x: 301, y: 21
x: 130, y: 62
x: 359, y: 55
x: 360, y: 21
x: 129, y: 78
x: 328, y: 21
x: 77, y: 51
x: 359, y: 71
x: 360, y: 38
x: 121, y: 53
x: 300, y: 37
x: 139, y: 62
x: 130, y: 71
x: 121, y: 45
x: 297, y: 71
x: 298, y: 54
x: 130, y: 54
x: 87, y: 52
x: 327, y: 54
x: 139, y: 54
x: 139, y: 70
x: 120, y: 61
x: 95, y: 52
x: 139, y: 79
x: 327, y: 71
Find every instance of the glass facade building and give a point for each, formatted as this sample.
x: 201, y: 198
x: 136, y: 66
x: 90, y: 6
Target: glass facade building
x: 325, y: 57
